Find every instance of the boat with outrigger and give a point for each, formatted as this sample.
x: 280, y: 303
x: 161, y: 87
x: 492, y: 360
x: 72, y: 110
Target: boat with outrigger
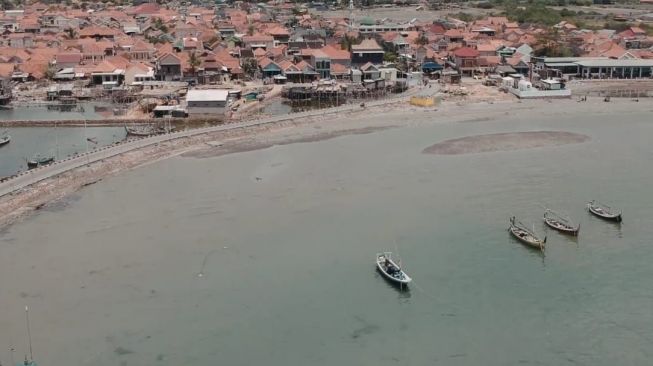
x: 391, y: 270
x: 525, y: 235
x: 147, y: 130
x: 29, y: 361
x: 604, y: 211
x: 39, y: 160
x: 5, y: 139
x: 560, y: 223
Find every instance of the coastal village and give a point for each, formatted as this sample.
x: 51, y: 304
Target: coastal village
x: 287, y: 141
x: 223, y: 61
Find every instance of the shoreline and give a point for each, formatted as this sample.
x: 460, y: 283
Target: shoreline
x: 297, y: 129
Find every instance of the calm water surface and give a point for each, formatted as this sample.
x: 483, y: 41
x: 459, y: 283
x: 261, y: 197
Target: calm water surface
x: 111, y: 276
x: 81, y: 111
x: 59, y: 142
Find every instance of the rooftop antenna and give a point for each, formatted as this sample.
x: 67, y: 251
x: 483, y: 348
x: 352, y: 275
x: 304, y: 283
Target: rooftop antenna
x: 29, y: 336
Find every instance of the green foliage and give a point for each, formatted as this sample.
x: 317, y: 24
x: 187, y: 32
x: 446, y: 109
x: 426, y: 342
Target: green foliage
x: 422, y: 39
x: 536, y: 13
x: 193, y: 61
x: 250, y: 67
x: 617, y: 26
x: 389, y: 57
x: 548, y: 44
x: 70, y: 33
x: 465, y: 17
x: 622, y: 26
x: 346, y: 42
x: 50, y: 72
x: 484, y: 5
x: 158, y: 24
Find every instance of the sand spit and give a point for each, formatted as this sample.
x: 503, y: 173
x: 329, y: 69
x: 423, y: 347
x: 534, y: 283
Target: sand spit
x: 16, y: 206
x: 504, y: 142
x: 237, y: 146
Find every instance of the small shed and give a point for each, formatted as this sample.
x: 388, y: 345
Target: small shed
x: 163, y: 110
x: 451, y: 77
x: 505, y: 70
x: 280, y: 79
x: 356, y: 76
x: 207, y: 101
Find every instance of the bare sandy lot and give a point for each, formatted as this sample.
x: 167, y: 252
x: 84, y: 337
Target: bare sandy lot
x: 504, y: 142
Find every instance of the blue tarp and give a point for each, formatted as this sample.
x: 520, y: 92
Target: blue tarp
x: 431, y: 66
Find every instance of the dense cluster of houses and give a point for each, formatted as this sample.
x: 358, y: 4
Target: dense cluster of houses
x: 149, y: 43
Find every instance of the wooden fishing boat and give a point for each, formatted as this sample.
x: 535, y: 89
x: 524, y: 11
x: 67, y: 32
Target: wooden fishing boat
x: 604, y: 211
x: 4, y: 140
x: 141, y: 131
x: 525, y: 235
x: 38, y: 161
x: 560, y: 223
x: 391, y: 270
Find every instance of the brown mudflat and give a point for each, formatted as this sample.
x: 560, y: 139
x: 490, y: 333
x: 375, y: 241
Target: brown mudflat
x: 504, y: 142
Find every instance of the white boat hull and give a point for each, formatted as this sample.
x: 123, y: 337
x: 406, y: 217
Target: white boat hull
x: 402, y: 278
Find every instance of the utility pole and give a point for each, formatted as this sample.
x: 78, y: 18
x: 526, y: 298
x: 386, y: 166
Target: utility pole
x: 351, y: 15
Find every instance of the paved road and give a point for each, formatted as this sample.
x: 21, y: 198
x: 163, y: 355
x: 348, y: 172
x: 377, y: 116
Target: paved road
x: 30, y: 177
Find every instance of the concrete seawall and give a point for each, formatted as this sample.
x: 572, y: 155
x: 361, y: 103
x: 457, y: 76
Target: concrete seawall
x: 110, y: 122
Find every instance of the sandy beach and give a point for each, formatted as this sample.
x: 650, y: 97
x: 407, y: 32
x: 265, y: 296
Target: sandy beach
x: 368, y: 120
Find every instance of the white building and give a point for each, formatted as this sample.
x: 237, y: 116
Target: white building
x: 209, y: 101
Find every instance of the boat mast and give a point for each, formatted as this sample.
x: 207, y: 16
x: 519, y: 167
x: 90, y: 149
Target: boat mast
x: 29, y: 334
x: 56, y: 141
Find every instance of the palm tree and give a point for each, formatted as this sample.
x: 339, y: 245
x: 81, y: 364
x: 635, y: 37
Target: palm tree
x: 70, y: 33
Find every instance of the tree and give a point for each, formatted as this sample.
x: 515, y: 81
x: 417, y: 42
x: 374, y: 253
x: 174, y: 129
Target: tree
x: 390, y: 57
x: 49, y: 72
x: 212, y: 40
x: 548, y: 44
x: 70, y: 33
x: 422, y: 39
x: 193, y: 61
x: 158, y: 24
x: 250, y: 67
x: 346, y: 42
x: 250, y: 30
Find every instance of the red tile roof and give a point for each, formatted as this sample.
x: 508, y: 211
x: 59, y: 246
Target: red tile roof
x: 466, y: 52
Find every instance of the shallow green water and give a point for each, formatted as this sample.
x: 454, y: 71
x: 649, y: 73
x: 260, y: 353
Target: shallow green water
x: 287, y: 260
x: 61, y: 142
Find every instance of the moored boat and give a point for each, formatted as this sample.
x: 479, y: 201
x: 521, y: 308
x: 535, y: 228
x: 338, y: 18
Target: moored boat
x: 391, y: 270
x: 604, y: 211
x: 560, y: 223
x: 4, y: 140
x: 38, y: 161
x: 141, y: 131
x: 525, y: 235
